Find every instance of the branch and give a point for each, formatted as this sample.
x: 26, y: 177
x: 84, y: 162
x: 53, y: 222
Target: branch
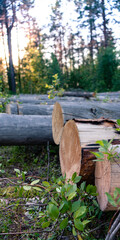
x: 114, y: 228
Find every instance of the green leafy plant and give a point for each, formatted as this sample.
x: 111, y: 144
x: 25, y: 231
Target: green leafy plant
x: 54, y: 89
x: 70, y: 207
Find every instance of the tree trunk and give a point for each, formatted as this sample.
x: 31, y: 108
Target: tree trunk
x: 63, y: 112
x: 107, y: 178
x: 11, y: 75
x: 25, y: 130
x: 104, y: 24
x: 78, y: 136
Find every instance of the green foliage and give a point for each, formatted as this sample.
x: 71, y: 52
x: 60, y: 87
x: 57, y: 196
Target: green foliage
x: 69, y: 206
x: 106, y: 69
x: 54, y: 89
x: 33, y: 75
x: 106, y: 148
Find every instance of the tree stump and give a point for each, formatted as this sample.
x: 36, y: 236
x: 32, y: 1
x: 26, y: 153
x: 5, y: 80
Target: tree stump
x: 107, y: 178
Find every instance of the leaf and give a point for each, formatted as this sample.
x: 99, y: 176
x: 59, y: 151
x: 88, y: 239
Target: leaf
x: 37, y: 189
x: 64, y: 223
x: 17, y: 170
x: 23, y: 176
x: 74, y: 232
x: 79, y: 237
x: 64, y: 207
x: 54, y: 202
x: 78, y: 224
x: 118, y: 121
x: 91, y: 190
x: 85, y: 222
x: 71, y: 196
x: 45, y: 224
x: 111, y: 200
x: 46, y: 184
x: 75, y: 206
x: 118, y: 189
x: 53, y: 211
x: 82, y: 186
x: 27, y: 188
x: 115, y: 193
x: 70, y: 189
x: 41, y: 214
x: 35, y: 182
x: 77, y: 179
x: 74, y: 176
x: 80, y: 212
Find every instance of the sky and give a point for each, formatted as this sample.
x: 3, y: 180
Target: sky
x: 42, y: 11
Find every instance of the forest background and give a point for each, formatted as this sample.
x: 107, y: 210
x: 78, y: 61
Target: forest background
x: 83, y: 52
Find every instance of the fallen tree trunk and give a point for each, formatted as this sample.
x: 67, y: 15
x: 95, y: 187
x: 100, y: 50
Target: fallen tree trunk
x: 83, y: 134
x: 29, y: 109
x: 107, y: 178
x: 25, y: 130
x: 63, y: 112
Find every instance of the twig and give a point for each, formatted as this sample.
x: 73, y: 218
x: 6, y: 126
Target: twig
x: 114, y: 232
x: 94, y: 229
x: 48, y: 166
x: 113, y: 228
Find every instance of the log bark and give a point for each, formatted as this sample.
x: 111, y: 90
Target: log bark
x: 78, y: 94
x: 79, y: 135
x: 63, y: 112
x: 29, y: 109
x: 25, y: 130
x: 107, y: 178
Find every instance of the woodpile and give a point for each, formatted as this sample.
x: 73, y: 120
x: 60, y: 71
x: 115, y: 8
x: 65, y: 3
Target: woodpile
x: 63, y: 112
x: 75, y: 124
x: 77, y: 140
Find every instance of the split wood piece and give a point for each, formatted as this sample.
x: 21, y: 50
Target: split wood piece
x: 29, y: 109
x: 63, y: 112
x: 83, y: 134
x: 107, y: 178
x: 25, y: 130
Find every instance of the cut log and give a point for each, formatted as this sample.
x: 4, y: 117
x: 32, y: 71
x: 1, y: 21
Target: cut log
x: 78, y: 94
x: 107, y: 178
x: 25, y: 130
x: 83, y: 134
x: 63, y: 112
x: 29, y: 109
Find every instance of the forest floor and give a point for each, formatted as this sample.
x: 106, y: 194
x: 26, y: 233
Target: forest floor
x: 19, y: 210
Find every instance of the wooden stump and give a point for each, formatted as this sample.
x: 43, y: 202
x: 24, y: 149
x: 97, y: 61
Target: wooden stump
x: 83, y: 134
x: 107, y: 178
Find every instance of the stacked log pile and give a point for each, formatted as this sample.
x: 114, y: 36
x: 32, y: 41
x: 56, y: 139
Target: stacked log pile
x: 77, y: 140
x: 75, y: 123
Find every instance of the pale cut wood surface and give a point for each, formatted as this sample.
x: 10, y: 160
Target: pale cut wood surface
x: 57, y: 123
x: 89, y: 133
x: 70, y: 150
